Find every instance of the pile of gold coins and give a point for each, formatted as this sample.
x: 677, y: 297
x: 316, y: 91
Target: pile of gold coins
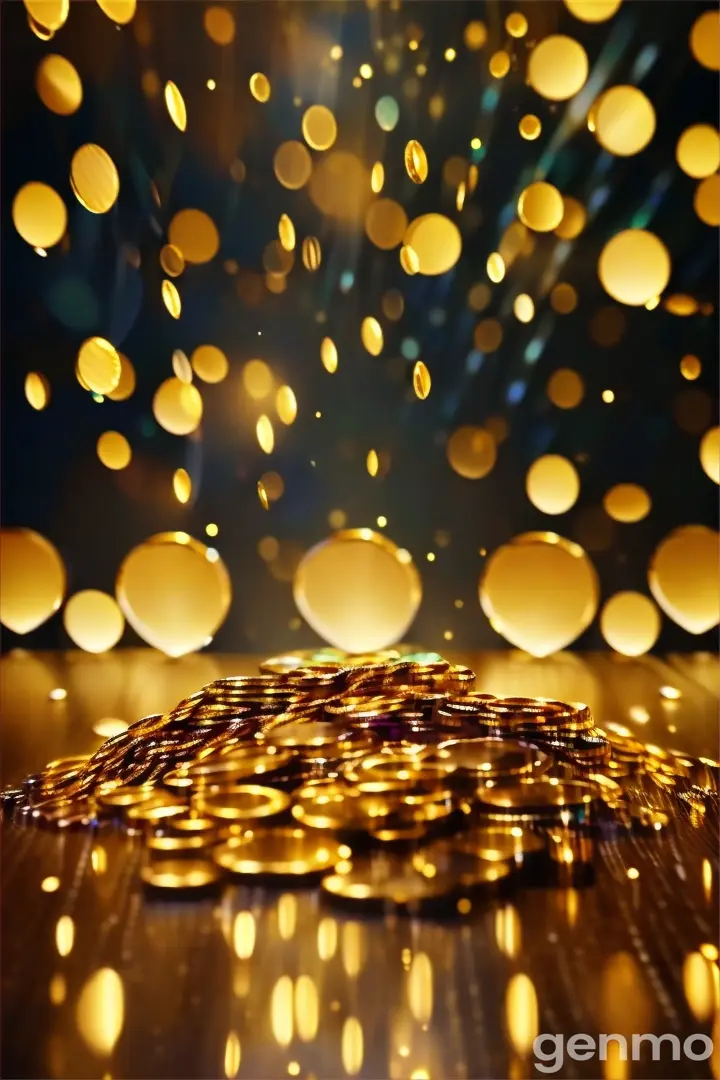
x: 391, y: 781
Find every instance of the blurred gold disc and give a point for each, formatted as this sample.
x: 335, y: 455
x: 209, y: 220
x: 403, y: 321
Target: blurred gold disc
x: 278, y: 852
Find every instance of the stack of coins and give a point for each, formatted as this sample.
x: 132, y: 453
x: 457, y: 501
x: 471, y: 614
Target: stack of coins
x: 389, y: 780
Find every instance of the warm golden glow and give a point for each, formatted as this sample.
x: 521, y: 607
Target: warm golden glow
x: 540, y: 592
x: 540, y: 207
x: 385, y: 223
x: 495, y: 267
x: 565, y: 388
x: 592, y: 11
x: 32, y: 580
x: 420, y: 988
x: 292, y: 164
x: 521, y: 1013
x: 219, y: 25
x: 624, y: 121
x: 265, y: 434
x: 175, y: 592
x: 281, y: 1011
x: 530, y: 127
x: 177, y: 406
x: 175, y: 104
x: 93, y: 620
x: 710, y: 453
x: 471, y: 452
x: 319, y: 127
x: 260, y: 87
x: 630, y: 623
x: 416, y: 162
x: 307, y: 1009
x: 557, y: 68
x: 195, y: 235
x: 101, y: 1011
x: 352, y: 1046
x: 64, y: 935
x: 328, y: 355
x: 356, y: 592
x: 233, y: 1055
x: 634, y: 266
x: 58, y: 85
x: 436, y: 241
x: 37, y: 390
x: 705, y: 40
x: 244, y: 934
x: 371, y: 335
x: 698, y: 151
x: 94, y: 178
x: 552, y: 484
x: 627, y: 503
x: 286, y: 404
x: 98, y: 364
x: 684, y: 579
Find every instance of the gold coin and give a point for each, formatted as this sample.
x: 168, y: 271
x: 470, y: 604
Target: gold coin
x: 465, y: 866
x: 416, y: 162
x: 118, y: 796
x: 165, y: 843
x: 421, y: 380
x: 539, y: 795
x: 490, y: 757
x: 180, y: 874
x: 243, y: 803
x: 500, y: 843
x: 311, y: 253
x: 279, y: 852
x: 153, y: 811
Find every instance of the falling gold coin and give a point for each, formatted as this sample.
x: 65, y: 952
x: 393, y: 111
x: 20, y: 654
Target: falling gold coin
x: 311, y: 253
x: 93, y: 620
x: 416, y: 162
x: 58, y: 85
x: 557, y: 67
x: 37, y: 390
x: 99, y: 365
x: 540, y: 207
x: 409, y: 260
x: 39, y: 215
x: 114, y: 451
x: 175, y: 104
x: 94, y: 178
x: 172, y: 260
x: 265, y: 434
x: 180, y: 874
x: 260, y: 87
x: 182, y: 485
x: 634, y: 266
x: 421, y: 380
x: 328, y: 355
x: 371, y: 335
x: 262, y: 495
x: 286, y: 232
x: 319, y: 127
x: 683, y: 577
x: 171, y: 298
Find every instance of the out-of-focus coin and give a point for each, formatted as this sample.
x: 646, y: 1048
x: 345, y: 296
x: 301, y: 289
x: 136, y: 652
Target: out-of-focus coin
x: 499, y: 843
x: 180, y: 873
x: 540, y: 796
x: 117, y: 796
x: 279, y: 852
x: 444, y: 859
x: 491, y: 757
x: 153, y: 811
x: 242, y: 803
x: 179, y: 844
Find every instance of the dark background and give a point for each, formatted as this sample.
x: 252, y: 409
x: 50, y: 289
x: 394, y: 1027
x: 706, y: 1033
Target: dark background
x: 52, y: 480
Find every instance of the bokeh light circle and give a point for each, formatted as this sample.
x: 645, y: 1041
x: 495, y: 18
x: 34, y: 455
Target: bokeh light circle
x: 58, y: 85
x: 565, y: 388
x: 98, y: 364
x: 114, y: 451
x: 177, y: 406
x: 540, y: 592
x: 175, y: 592
x: 436, y: 241
x: 219, y: 25
x: 340, y: 186
x: 624, y: 121
x: 573, y: 219
x: 39, y: 215
x: 530, y: 127
x: 49, y: 14
x: 558, y: 67
x: 94, y: 178
x: 371, y: 335
x: 592, y: 11
x: 386, y: 223
x: 471, y: 452
x: 292, y: 164
x: 319, y: 127
x: 698, y: 151
x: 37, y: 390
x: 627, y: 503
x: 552, y: 484
x: 209, y: 363
x: 260, y: 87
x: 630, y: 623
x: 32, y: 579
x: 705, y: 40
x: 710, y: 453
x: 707, y: 200
x: 540, y: 207
x: 387, y: 112
x: 126, y: 383
x: 195, y: 235
x: 93, y: 620
x: 357, y: 590
x: 175, y: 104
x: 684, y: 577
x: 634, y: 267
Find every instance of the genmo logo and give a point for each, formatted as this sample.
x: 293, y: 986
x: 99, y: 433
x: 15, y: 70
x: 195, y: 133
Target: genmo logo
x: 550, y: 1050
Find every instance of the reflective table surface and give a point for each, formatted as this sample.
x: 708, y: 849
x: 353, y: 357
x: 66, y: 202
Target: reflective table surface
x: 99, y: 979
